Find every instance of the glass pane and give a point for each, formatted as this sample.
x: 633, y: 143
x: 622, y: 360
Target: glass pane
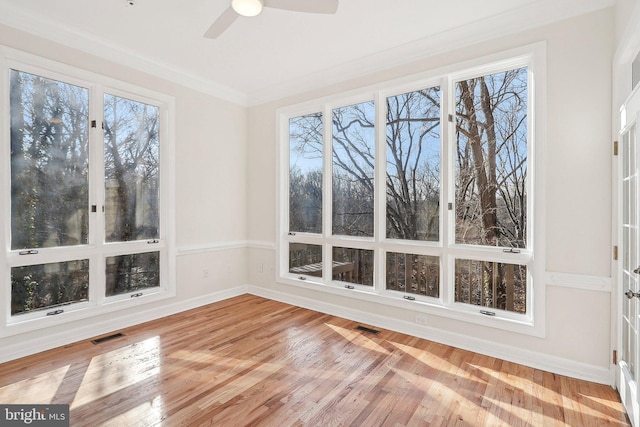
x: 353, y: 139
x: 305, y: 259
x: 353, y: 265
x: 305, y: 174
x: 625, y: 155
x: 43, y: 286
x: 491, y: 284
x: 131, y: 155
x: 49, y: 162
x: 128, y: 273
x: 491, y: 160
x: 414, y: 274
x: 413, y: 165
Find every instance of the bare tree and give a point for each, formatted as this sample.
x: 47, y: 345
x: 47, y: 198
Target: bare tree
x: 491, y: 147
x: 413, y: 165
x: 491, y: 196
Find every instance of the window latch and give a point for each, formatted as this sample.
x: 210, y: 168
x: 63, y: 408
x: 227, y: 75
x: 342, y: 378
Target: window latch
x: 28, y: 252
x: 409, y: 297
x: 349, y: 287
x: 139, y: 294
x: 151, y: 242
x: 54, y: 312
x: 511, y: 251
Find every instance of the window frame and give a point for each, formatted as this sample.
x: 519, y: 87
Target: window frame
x: 96, y: 249
x: 533, y: 322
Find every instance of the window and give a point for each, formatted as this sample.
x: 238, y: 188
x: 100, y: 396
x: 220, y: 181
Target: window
x: 413, y: 131
x: 87, y: 224
x: 420, y: 196
x: 491, y: 146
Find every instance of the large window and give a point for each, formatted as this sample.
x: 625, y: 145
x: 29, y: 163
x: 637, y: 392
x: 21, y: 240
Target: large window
x: 432, y: 206
x: 86, y: 214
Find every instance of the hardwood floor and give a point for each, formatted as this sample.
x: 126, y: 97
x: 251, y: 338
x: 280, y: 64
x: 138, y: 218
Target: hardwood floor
x: 252, y: 361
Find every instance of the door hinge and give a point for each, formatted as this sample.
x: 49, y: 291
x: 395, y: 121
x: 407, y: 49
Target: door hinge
x: 615, y: 253
x: 450, y: 117
x: 615, y: 148
x: 615, y: 357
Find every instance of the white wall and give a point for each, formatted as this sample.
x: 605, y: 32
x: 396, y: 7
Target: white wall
x: 225, y: 196
x: 578, y: 235
x: 210, y: 154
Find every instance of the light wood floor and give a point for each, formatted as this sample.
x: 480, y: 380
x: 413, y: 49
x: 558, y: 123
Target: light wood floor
x: 252, y: 361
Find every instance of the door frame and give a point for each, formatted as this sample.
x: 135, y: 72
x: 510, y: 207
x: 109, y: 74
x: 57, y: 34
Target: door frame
x: 626, y: 385
x: 628, y: 46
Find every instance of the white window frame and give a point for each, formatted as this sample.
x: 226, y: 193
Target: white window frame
x: 96, y: 251
x: 533, y: 322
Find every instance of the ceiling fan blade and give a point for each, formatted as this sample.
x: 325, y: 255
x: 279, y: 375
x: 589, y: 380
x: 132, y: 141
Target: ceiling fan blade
x: 223, y: 22
x: 308, y: 6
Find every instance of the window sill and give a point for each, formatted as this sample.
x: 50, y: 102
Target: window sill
x: 469, y: 314
x: 85, y: 310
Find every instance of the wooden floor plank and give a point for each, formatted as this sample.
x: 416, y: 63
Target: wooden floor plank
x: 249, y: 361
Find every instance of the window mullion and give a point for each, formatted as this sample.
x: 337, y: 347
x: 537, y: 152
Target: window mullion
x: 96, y: 198
x: 327, y: 193
x: 380, y: 199
x: 447, y: 194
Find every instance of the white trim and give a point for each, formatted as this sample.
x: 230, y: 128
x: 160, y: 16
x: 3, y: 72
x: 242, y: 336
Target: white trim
x: 538, y: 14
x: 14, y: 17
x: 513, y: 354
x: 580, y: 281
x: 224, y: 246
x: 214, y: 247
x: 516, y: 20
x: 257, y: 244
x: 554, y: 364
x: 92, y: 329
x: 532, y: 56
x: 98, y: 304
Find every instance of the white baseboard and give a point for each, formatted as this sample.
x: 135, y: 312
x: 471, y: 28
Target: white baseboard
x: 545, y: 362
x: 542, y: 361
x: 100, y: 326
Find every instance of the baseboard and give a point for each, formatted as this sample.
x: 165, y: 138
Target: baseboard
x: 98, y: 326
x: 554, y: 364
x: 542, y: 361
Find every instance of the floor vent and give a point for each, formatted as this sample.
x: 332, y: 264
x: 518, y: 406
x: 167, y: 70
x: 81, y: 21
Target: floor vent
x: 367, y: 330
x: 107, y: 338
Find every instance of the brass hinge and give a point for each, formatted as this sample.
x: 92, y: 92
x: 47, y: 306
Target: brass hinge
x: 615, y: 148
x: 615, y: 253
x: 615, y: 357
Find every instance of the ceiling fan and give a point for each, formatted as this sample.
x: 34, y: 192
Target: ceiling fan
x: 254, y: 7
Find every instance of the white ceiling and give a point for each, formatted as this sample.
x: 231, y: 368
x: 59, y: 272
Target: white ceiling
x: 278, y: 52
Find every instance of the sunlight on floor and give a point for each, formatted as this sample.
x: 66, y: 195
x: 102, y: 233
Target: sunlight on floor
x: 114, y: 371
x: 45, y: 386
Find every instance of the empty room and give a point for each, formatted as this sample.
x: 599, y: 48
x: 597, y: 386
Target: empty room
x: 320, y: 213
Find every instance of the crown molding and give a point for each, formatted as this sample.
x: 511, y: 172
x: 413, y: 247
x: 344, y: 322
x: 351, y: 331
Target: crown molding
x: 14, y: 17
x: 510, y: 22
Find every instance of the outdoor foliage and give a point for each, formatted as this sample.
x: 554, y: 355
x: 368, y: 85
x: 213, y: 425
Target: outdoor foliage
x: 489, y: 167
x: 50, y: 185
